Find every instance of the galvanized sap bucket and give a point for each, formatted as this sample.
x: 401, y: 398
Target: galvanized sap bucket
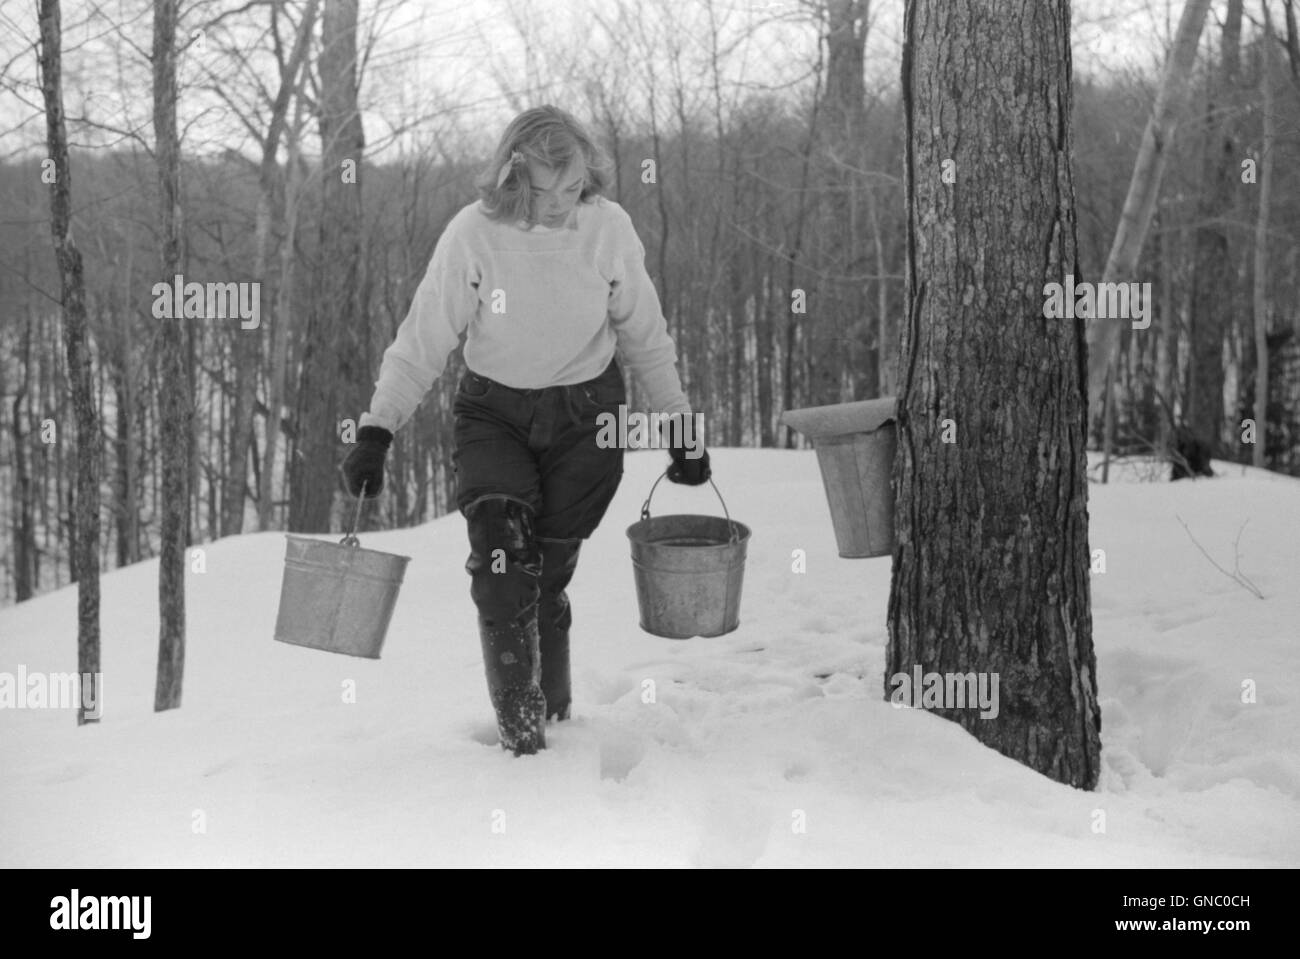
x: 855, y: 445
x: 688, y: 570
x: 337, y: 596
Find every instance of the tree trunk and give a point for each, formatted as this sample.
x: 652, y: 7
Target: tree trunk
x: 1167, y: 345
x: 246, y: 342
x: 737, y: 319
x: 764, y: 343
x: 84, y: 523
x: 49, y: 524
x: 1143, y: 190
x: 280, y: 330
x: 792, y: 319
x: 122, y: 457
x: 884, y: 364
x: 64, y: 530
x: 1212, y: 280
x: 24, y: 532
x: 333, y: 359
x: 174, y: 403
x: 990, y: 572
x: 840, y: 333
x: 1258, y: 454
x: 1292, y: 38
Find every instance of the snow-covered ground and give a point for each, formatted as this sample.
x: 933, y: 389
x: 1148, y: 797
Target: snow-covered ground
x: 769, y: 746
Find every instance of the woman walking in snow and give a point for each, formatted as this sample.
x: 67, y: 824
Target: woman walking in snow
x: 548, y: 277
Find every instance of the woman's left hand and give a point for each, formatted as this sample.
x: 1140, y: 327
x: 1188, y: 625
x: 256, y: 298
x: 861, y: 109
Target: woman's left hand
x: 690, y: 465
x: 689, y: 472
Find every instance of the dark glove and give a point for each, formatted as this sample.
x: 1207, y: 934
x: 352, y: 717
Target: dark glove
x: 684, y: 470
x: 688, y: 471
x: 365, y: 464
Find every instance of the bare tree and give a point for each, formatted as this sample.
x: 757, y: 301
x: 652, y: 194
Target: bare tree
x: 86, y: 518
x: 1140, y: 203
x: 245, y: 353
x: 1258, y: 455
x: 276, y: 369
x: 844, y: 316
x: 175, y: 409
x: 1292, y: 38
x: 24, y: 532
x: 1213, y: 279
x: 334, y: 363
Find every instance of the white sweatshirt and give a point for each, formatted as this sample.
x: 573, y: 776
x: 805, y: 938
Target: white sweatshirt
x: 543, y: 308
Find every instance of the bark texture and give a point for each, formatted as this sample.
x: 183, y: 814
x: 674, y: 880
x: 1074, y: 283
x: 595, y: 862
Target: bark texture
x: 991, y: 566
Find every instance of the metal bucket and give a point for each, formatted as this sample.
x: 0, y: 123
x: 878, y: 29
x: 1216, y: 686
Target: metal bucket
x: 855, y: 444
x: 856, y: 472
x: 689, y: 571
x: 337, y: 596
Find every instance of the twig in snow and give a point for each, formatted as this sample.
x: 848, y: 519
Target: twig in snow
x: 1237, y: 576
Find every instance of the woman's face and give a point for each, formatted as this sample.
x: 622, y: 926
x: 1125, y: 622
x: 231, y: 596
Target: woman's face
x: 556, y: 194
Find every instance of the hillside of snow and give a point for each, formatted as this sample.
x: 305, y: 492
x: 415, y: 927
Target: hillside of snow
x: 770, y: 746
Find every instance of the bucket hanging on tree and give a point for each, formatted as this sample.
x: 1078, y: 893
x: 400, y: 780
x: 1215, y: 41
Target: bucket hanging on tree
x: 855, y: 444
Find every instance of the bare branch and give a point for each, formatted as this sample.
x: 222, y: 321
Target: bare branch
x: 1237, y: 576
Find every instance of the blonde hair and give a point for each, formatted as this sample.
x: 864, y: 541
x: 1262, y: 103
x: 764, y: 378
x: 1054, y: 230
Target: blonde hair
x: 552, y: 138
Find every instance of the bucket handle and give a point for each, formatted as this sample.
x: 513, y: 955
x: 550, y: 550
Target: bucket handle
x: 645, y: 507
x: 351, y: 538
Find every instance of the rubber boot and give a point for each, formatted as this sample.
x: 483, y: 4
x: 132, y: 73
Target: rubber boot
x: 512, y: 659
x: 559, y: 561
x: 507, y: 599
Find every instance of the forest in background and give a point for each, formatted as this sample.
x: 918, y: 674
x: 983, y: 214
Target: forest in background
x: 773, y: 222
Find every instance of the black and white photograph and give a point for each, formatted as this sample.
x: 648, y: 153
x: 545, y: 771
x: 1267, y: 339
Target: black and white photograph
x: 651, y: 434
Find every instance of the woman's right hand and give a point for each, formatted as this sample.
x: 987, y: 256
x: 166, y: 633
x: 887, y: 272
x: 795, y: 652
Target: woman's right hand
x: 365, y: 464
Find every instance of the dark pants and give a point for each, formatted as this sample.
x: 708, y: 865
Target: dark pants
x: 537, y: 448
